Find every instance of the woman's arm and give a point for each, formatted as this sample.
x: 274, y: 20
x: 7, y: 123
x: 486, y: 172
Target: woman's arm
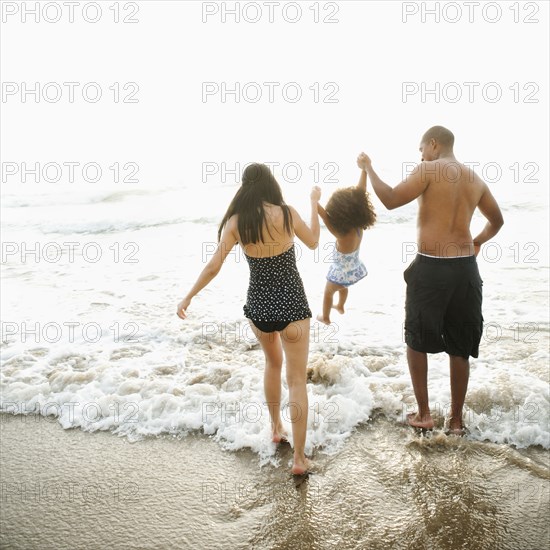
x: 308, y: 235
x: 228, y: 240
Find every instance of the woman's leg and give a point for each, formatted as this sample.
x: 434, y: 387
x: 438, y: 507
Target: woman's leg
x: 295, y: 340
x: 273, y: 352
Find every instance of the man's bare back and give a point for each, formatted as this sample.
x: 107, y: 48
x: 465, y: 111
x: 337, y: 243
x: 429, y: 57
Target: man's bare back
x: 446, y: 206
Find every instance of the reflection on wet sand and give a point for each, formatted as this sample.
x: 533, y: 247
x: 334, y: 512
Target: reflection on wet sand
x: 387, y: 488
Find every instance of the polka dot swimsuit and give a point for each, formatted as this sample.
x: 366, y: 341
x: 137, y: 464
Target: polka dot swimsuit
x: 276, y: 292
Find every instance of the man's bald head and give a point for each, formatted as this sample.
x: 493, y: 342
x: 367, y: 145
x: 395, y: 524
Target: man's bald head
x: 441, y: 135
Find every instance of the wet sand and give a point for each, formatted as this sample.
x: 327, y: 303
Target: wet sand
x: 387, y: 488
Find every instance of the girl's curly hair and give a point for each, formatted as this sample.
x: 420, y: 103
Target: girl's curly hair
x: 350, y: 208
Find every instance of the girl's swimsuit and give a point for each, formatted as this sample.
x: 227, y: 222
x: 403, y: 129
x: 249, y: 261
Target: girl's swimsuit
x: 346, y: 269
x: 276, y: 295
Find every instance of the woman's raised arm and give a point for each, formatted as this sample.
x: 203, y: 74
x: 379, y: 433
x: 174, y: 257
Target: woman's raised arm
x: 308, y: 235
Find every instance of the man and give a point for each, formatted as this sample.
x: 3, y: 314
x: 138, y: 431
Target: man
x: 444, y: 289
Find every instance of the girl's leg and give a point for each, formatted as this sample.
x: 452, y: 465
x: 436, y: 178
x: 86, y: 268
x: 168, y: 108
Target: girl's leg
x: 273, y: 352
x: 295, y: 340
x: 330, y: 289
x: 343, y: 296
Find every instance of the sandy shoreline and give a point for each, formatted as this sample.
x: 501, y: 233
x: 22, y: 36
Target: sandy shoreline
x: 385, y: 489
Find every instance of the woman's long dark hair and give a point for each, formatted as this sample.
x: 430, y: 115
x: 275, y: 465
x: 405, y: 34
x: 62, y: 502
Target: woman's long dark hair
x: 258, y: 186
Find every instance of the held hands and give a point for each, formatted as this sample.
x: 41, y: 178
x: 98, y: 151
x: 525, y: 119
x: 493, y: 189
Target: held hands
x: 315, y: 193
x: 363, y: 161
x: 182, y: 306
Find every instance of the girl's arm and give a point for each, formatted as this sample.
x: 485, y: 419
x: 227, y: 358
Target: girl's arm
x: 308, y: 235
x: 363, y: 181
x: 228, y: 240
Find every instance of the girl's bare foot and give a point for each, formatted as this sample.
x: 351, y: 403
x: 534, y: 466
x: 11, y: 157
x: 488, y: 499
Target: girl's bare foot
x: 423, y: 422
x: 339, y: 309
x: 322, y: 319
x: 300, y: 466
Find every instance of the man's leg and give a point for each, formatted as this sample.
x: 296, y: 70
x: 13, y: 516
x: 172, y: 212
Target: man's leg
x: 418, y: 367
x: 460, y: 373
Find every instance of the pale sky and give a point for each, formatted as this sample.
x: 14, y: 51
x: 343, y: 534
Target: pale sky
x: 363, y: 62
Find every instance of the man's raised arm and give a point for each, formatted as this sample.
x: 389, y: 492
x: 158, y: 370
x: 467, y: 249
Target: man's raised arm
x: 394, y: 197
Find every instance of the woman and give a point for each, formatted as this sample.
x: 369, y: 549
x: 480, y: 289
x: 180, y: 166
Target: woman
x: 277, y: 308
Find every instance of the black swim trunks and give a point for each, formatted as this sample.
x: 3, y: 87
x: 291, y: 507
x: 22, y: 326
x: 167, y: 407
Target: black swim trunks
x: 443, y: 305
x: 276, y: 295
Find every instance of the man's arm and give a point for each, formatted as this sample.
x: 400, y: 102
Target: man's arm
x: 489, y: 207
x: 393, y: 197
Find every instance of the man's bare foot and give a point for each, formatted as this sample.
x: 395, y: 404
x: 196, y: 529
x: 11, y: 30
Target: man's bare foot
x: 339, y: 309
x: 456, y: 427
x: 300, y: 466
x: 422, y: 422
x: 322, y: 319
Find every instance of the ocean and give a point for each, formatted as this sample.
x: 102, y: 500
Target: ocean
x: 91, y: 277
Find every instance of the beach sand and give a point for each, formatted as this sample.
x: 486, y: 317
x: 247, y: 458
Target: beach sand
x: 388, y: 488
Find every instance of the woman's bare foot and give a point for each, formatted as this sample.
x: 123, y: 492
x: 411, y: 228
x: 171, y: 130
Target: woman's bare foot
x: 423, y: 422
x: 322, y: 319
x: 279, y: 435
x: 339, y: 309
x: 301, y: 466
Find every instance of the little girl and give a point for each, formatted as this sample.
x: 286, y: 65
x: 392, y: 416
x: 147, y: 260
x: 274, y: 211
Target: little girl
x: 348, y: 212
